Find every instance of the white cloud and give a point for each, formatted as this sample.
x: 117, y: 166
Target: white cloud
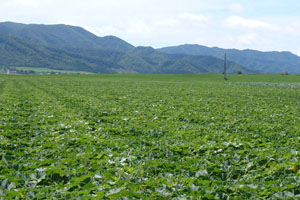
x: 237, y: 8
x: 240, y: 22
x: 139, y: 27
x: 18, y: 3
x: 170, y: 22
x: 108, y: 30
x: 248, y: 39
x: 251, y: 39
x: 193, y: 17
x: 292, y: 28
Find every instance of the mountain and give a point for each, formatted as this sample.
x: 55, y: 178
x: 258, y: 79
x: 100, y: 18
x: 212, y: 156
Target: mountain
x: 73, y: 48
x: 62, y: 36
x: 16, y: 52
x: 266, y: 62
x: 167, y: 63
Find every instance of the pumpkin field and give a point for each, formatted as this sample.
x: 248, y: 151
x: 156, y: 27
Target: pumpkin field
x: 136, y: 136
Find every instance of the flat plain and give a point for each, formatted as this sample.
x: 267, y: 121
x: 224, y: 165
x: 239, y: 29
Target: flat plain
x: 149, y: 137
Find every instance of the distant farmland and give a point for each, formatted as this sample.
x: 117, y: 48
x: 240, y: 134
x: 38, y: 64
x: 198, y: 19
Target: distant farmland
x: 46, y: 70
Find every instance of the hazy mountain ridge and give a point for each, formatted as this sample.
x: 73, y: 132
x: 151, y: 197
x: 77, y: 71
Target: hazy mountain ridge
x: 73, y: 48
x: 266, y: 62
x: 62, y: 36
x: 20, y: 53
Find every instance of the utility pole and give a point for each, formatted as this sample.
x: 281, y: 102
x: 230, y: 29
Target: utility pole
x: 225, y: 67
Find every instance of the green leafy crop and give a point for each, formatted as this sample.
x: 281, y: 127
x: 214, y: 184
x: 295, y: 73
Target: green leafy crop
x: 149, y: 137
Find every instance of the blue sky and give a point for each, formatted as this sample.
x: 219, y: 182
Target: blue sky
x: 265, y: 25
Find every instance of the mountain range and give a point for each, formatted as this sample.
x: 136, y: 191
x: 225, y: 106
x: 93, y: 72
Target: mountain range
x: 265, y: 62
x: 67, y: 47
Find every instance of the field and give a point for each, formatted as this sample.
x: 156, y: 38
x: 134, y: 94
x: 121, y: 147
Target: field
x: 46, y: 70
x: 149, y: 137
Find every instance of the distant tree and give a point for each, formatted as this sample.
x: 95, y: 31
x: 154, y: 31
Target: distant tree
x: 285, y: 73
x: 239, y: 72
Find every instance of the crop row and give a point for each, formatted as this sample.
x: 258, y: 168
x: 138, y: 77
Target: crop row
x: 91, y: 137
